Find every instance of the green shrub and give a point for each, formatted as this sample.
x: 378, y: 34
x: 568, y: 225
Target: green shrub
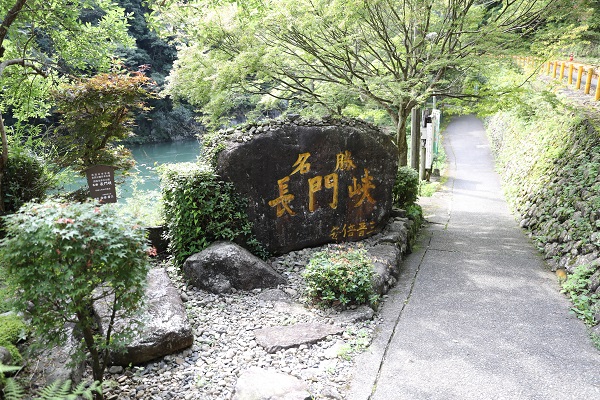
x: 4, y: 295
x: 340, y: 276
x: 199, y: 210
x: 26, y: 178
x: 63, y: 257
x: 406, y: 187
x: 585, y: 304
x: 12, y: 330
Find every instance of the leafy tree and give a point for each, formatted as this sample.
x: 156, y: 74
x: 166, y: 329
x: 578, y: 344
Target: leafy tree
x: 40, y: 40
x: 572, y: 27
x: 388, y: 54
x: 64, y: 258
x: 96, y: 113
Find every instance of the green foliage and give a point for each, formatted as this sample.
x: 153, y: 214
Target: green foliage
x: 29, y: 176
x: 63, y: 257
x: 406, y: 187
x: 52, y: 39
x: 9, y: 387
x: 12, y: 330
x: 58, y: 390
x: 200, y: 209
x: 585, y: 304
x: 145, y: 206
x: 415, y: 213
x: 97, y: 113
x: 340, y: 276
x: 332, y: 56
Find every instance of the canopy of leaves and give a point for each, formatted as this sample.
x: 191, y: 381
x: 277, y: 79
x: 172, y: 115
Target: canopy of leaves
x: 332, y: 54
x: 49, y: 36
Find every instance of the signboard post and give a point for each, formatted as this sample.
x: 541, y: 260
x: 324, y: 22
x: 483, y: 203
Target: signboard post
x: 101, y: 181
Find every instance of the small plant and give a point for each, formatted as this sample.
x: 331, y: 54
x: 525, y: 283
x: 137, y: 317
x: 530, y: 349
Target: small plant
x: 64, y: 257
x: 11, y: 390
x: 585, y: 304
x: 406, y: 187
x: 360, y: 341
x: 340, y: 276
x: 12, y: 330
x: 199, y: 210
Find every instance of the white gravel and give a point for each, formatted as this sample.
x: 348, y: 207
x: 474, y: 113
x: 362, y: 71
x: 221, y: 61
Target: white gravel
x: 224, y: 344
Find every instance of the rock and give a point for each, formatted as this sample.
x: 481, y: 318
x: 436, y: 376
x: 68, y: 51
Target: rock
x: 274, y: 295
x: 5, y: 356
x: 115, y: 369
x: 224, y: 266
x: 164, y: 327
x: 386, y: 260
x: 277, y: 338
x: 56, y: 363
x: 396, y: 233
x: 290, y: 308
x: 361, y: 313
x: 316, y: 184
x: 260, y: 384
x: 594, y: 282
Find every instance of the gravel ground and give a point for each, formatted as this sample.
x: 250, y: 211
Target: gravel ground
x: 224, y: 344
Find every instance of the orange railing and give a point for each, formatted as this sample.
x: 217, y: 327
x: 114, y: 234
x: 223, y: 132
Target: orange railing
x: 566, y: 70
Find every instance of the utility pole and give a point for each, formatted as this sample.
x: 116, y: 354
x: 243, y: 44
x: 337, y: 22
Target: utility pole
x: 415, y: 137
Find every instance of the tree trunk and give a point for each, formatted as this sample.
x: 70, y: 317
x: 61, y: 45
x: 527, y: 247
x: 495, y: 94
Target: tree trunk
x: 90, y: 344
x: 401, y: 138
x: 3, y: 161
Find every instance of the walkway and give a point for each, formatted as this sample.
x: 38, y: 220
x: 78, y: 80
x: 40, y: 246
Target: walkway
x: 476, y: 315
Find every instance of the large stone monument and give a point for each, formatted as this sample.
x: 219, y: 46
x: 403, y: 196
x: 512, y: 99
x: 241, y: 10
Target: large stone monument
x: 310, y: 183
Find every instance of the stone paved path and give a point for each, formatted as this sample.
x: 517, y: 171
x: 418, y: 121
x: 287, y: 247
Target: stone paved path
x: 476, y: 315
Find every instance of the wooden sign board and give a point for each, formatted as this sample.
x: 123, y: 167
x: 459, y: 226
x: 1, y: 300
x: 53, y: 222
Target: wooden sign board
x: 101, y: 181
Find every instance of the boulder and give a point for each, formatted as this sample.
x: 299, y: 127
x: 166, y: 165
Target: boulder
x: 162, y: 327
x: 224, y: 266
x: 276, y: 338
x: 59, y: 363
x: 5, y: 356
x: 308, y: 184
x: 260, y: 384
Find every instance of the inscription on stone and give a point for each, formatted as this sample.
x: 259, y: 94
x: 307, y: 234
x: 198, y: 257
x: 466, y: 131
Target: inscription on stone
x: 101, y: 181
x: 309, y: 185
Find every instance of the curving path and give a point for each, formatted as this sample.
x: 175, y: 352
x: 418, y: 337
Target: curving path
x: 476, y: 315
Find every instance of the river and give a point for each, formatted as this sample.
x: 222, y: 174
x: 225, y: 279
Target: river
x: 148, y: 156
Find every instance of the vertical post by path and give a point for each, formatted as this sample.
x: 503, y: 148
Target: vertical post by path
x: 597, y: 85
x: 571, y: 67
x: 555, y: 70
x: 422, y: 171
x: 562, y: 70
x: 548, y: 68
x: 588, y: 82
x: 579, y: 76
x: 415, y: 137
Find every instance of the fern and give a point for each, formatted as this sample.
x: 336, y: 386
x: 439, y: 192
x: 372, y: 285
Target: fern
x: 13, y: 391
x: 62, y: 391
x: 56, y: 391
